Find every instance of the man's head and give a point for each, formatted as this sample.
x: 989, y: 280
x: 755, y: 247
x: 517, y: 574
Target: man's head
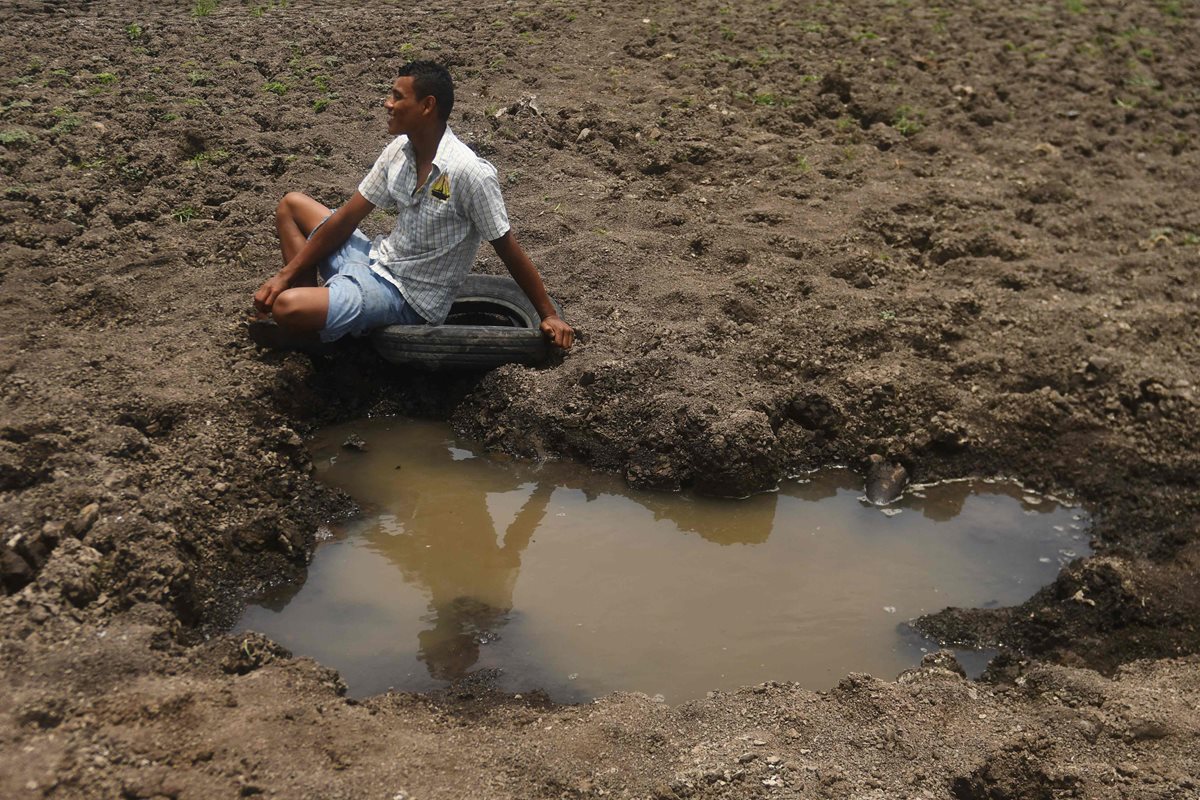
x: 430, y: 79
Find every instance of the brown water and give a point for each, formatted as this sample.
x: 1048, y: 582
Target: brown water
x: 567, y: 580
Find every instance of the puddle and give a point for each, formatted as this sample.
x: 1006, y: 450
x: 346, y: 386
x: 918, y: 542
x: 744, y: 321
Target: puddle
x: 567, y: 580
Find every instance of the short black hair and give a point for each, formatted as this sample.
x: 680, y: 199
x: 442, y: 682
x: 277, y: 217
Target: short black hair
x: 431, y: 78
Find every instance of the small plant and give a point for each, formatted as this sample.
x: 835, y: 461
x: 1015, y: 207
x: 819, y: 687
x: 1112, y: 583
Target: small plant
x: 106, y: 78
x: 908, y: 120
x: 15, y: 104
x: 197, y: 78
x: 184, y: 214
x: 1076, y: 6
x: 276, y: 87
x: 321, y: 82
x: 203, y: 8
x: 801, y: 164
x: 769, y: 99
x: 726, y: 33
x: 407, y: 50
x: 887, y: 316
x: 322, y: 103
x: 66, y: 124
x: 214, y: 156
x: 1172, y: 8
x: 17, y: 137
x: 133, y: 31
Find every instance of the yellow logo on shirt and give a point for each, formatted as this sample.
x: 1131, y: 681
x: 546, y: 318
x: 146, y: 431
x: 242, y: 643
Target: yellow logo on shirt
x: 441, y: 187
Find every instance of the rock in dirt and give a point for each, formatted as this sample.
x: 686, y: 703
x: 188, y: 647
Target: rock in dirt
x: 15, y: 572
x: 885, y: 480
x: 355, y: 442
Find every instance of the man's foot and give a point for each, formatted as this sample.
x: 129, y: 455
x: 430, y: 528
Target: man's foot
x: 265, y: 333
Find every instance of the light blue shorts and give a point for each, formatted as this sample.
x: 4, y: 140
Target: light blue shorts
x: 359, y: 299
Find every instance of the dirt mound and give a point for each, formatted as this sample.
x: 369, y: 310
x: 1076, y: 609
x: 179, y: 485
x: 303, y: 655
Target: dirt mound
x: 964, y: 240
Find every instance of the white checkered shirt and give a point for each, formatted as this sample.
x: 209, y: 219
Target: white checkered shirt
x: 438, y: 229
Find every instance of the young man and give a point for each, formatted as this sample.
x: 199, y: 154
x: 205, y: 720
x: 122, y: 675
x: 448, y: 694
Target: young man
x: 447, y: 200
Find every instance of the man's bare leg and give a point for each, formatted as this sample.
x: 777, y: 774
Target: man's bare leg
x: 295, y: 217
x: 300, y: 312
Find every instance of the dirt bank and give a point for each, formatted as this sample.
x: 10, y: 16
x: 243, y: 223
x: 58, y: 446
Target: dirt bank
x: 966, y: 239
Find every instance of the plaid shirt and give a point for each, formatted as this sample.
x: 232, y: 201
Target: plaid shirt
x: 438, y: 228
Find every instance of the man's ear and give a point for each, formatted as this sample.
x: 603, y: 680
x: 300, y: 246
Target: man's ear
x: 429, y: 104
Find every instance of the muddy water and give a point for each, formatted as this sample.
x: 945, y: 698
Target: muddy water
x: 559, y: 578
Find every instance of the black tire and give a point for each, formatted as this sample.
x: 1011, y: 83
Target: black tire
x: 491, y: 323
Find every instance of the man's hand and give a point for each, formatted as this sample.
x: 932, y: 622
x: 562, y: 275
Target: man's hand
x: 264, y: 298
x: 557, y: 331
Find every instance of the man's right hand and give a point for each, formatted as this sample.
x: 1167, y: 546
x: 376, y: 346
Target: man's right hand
x: 264, y: 298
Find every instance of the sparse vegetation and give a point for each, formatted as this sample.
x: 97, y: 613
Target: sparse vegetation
x: 207, y: 157
x: 184, y: 214
x: 18, y: 137
x: 202, y: 8
x: 133, y: 31
x: 276, y: 87
x: 908, y: 120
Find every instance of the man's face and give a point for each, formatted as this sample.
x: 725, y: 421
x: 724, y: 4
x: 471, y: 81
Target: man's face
x: 405, y: 112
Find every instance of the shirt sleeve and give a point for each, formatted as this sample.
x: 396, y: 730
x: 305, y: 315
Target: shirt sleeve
x: 374, y: 187
x: 484, y: 205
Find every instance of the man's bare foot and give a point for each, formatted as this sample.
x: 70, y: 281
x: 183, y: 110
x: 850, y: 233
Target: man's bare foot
x: 265, y: 333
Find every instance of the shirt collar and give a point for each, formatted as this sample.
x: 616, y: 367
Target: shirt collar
x: 442, y: 157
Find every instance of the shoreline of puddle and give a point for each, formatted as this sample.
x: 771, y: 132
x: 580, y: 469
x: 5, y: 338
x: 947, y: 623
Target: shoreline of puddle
x: 551, y: 576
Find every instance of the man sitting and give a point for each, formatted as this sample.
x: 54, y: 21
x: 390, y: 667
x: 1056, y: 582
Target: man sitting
x: 446, y: 199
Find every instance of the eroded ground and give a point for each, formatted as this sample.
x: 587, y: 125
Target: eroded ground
x: 964, y: 238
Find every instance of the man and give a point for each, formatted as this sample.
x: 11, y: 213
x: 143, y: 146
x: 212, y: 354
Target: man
x: 447, y: 200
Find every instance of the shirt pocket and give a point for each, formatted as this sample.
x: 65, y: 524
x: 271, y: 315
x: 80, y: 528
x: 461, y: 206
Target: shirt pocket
x: 438, y: 222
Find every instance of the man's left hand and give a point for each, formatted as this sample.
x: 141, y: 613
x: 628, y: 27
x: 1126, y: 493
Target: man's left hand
x: 558, y: 332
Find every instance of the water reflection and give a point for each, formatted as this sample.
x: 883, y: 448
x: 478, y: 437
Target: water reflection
x: 568, y: 581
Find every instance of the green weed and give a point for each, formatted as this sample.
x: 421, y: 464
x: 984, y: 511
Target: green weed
x: 908, y: 120
x: 771, y: 100
x: 184, y: 214
x: 322, y: 103
x: 197, y: 78
x: 208, y: 156
x: 1076, y: 6
x: 1172, y: 8
x: 66, y: 124
x: 202, y: 8
x: 16, y: 137
x: 276, y: 87
x: 133, y: 31
x: 106, y: 78
x: 321, y: 82
x: 801, y: 165
x: 15, y: 104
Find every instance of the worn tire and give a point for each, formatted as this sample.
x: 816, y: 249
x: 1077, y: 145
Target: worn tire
x: 491, y: 323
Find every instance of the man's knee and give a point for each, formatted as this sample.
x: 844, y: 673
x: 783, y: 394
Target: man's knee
x: 288, y: 308
x: 287, y: 206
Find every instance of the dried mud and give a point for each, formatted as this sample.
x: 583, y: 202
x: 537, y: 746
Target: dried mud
x: 963, y: 238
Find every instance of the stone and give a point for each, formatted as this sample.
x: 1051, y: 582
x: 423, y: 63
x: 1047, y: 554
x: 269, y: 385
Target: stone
x: 15, y: 572
x: 885, y: 480
x: 355, y: 442
x: 86, y: 518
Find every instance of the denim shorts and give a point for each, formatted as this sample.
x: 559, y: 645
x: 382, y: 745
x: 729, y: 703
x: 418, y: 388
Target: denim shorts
x: 360, y: 299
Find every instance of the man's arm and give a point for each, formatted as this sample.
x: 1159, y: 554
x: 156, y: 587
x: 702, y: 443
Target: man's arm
x: 329, y: 237
x: 526, y: 275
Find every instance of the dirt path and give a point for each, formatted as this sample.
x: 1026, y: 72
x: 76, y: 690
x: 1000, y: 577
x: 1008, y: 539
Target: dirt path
x: 964, y: 238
